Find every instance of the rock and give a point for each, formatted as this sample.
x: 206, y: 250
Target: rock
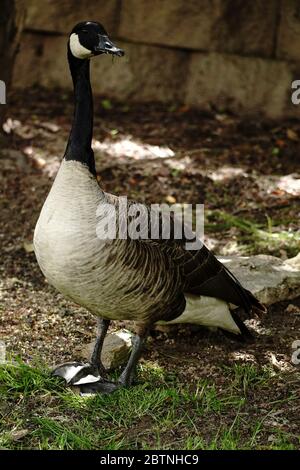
x: 230, y: 82
x: 221, y: 25
x: 148, y: 73
x: 59, y: 16
x: 269, y: 278
x: 37, y: 54
x: 145, y: 73
x: 224, y: 48
x: 288, y: 40
x: 116, y: 349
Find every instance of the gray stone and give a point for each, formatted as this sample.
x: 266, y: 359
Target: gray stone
x: 145, y: 73
x: 219, y: 25
x: 42, y: 61
x: 269, y: 278
x: 60, y: 16
x: 288, y: 41
x: 239, y: 83
x: 116, y: 349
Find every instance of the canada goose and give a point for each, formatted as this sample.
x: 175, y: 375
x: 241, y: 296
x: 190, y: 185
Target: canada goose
x: 121, y: 279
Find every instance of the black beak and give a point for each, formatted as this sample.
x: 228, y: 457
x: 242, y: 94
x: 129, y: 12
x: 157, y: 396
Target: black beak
x: 107, y: 46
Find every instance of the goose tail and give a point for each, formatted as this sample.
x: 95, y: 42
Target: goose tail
x: 225, y: 286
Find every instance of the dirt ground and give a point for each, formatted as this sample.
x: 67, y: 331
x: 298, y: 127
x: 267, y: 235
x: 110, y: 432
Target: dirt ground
x: 240, y: 168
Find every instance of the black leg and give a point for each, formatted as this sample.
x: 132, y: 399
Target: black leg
x: 102, y: 327
x: 74, y: 372
x: 128, y: 374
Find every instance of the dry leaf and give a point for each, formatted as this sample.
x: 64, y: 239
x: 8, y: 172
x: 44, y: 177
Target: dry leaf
x: 291, y: 134
x: 50, y: 126
x: 10, y: 125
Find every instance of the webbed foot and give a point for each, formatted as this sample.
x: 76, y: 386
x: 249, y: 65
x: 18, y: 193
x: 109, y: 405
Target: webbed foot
x: 85, y: 376
x: 99, y: 387
x: 77, y: 373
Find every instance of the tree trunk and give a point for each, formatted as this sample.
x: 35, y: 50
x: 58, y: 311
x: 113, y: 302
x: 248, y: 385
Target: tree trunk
x: 11, y: 25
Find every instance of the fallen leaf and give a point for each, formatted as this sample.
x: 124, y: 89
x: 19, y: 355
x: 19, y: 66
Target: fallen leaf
x: 10, y: 125
x: 292, y: 135
x: 50, y: 126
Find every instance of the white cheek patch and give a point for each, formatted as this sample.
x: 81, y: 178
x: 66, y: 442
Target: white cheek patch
x: 77, y: 49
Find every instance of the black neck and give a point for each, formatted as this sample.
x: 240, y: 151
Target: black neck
x: 79, y: 144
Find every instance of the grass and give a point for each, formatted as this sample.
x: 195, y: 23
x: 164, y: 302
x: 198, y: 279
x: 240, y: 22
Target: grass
x: 247, y: 377
x: 253, y: 237
x: 39, y: 412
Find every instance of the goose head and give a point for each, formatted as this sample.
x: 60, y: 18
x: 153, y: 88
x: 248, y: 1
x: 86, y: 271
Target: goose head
x: 89, y: 39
